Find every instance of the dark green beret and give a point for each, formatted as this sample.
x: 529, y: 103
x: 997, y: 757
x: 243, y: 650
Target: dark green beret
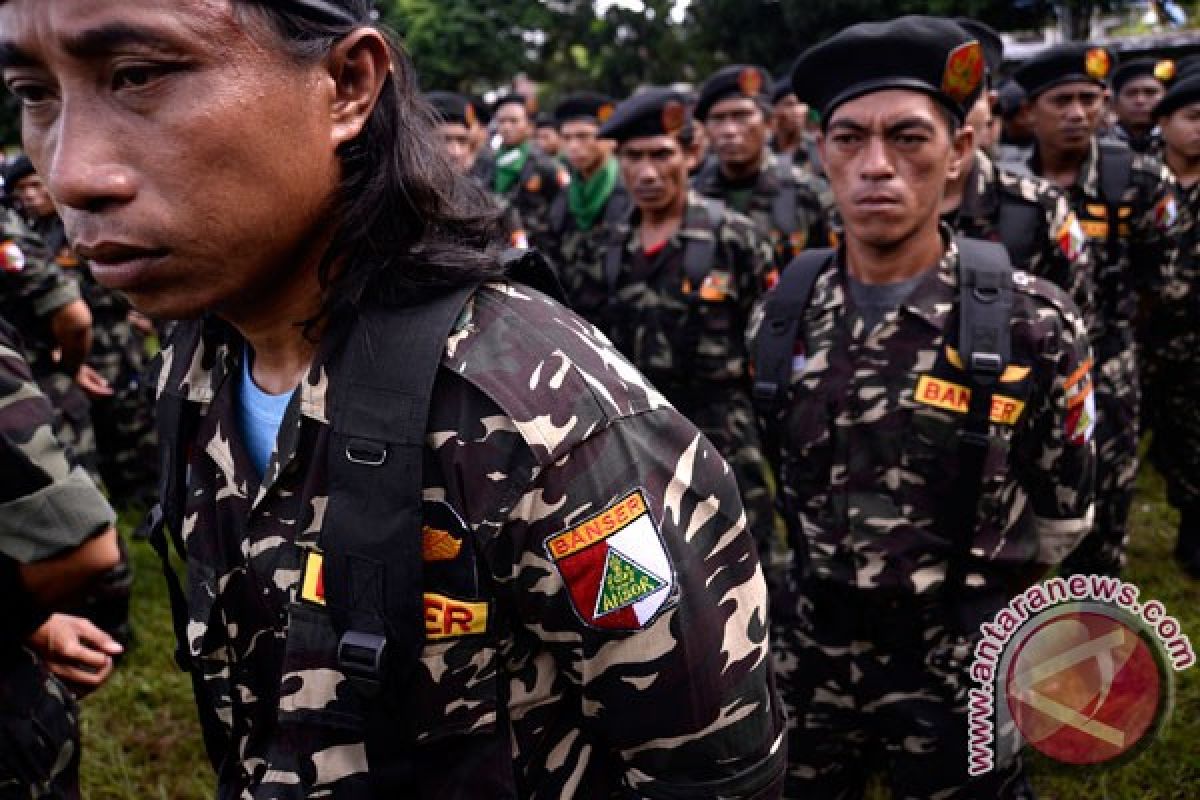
x: 740, y: 80
x: 1161, y: 69
x: 590, y: 106
x: 1065, y: 63
x: 931, y: 55
x: 1182, y: 92
x: 654, y: 112
x: 993, y: 45
x: 453, y: 108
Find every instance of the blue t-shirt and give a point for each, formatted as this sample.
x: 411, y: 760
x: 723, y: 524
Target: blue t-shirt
x: 260, y: 415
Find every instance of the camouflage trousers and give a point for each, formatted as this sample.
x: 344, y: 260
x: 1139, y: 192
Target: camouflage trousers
x: 1118, y: 402
x: 875, y: 687
x: 727, y: 418
x: 1175, y: 446
x: 39, y: 732
x: 127, y: 442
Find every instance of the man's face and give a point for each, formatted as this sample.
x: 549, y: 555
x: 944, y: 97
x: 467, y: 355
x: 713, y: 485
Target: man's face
x: 888, y: 155
x: 1181, y: 130
x: 192, y: 164
x: 456, y: 138
x: 737, y: 129
x: 585, y: 152
x: 512, y: 123
x: 547, y: 140
x: 31, y: 193
x: 1065, y: 116
x: 1136, y: 100
x: 655, y: 171
x: 788, y: 117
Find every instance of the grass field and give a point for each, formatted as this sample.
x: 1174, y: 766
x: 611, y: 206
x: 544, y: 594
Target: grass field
x: 141, y: 739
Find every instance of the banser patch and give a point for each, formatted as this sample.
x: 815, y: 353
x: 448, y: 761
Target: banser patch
x: 312, y: 584
x: 615, y: 565
x: 950, y: 396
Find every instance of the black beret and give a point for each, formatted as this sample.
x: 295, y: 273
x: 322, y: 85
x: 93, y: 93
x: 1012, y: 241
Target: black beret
x: 781, y: 89
x: 930, y: 55
x: 1065, y: 63
x: 1009, y: 97
x: 993, y: 45
x: 513, y: 99
x: 453, y: 108
x: 350, y: 12
x: 18, y: 169
x: 654, y: 112
x: 740, y: 79
x: 1161, y: 69
x: 590, y: 106
x: 481, y: 109
x: 1182, y: 92
x: 545, y: 119
x: 1186, y: 66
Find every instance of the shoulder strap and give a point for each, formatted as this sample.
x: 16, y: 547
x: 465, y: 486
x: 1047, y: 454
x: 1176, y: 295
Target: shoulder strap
x: 371, y: 535
x: 700, y: 252
x: 783, y: 204
x: 1116, y: 172
x: 558, y: 214
x: 780, y: 326
x: 531, y: 268
x: 1017, y: 224
x: 618, y: 206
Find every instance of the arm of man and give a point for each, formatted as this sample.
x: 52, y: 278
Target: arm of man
x: 71, y: 325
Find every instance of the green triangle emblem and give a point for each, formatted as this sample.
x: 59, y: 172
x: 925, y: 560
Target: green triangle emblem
x: 625, y: 582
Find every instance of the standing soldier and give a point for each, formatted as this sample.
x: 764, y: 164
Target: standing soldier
x: 581, y: 216
x: 923, y: 397
x: 525, y: 178
x: 441, y: 539
x: 1137, y: 86
x: 1126, y: 204
x: 546, y: 135
x: 674, y: 285
x: 1174, y: 336
x: 1028, y: 215
x: 789, y: 127
x: 782, y: 200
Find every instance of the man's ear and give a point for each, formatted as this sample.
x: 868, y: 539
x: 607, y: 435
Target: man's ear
x: 359, y: 65
x: 961, y: 146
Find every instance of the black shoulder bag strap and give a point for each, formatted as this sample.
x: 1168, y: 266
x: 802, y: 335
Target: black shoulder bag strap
x: 1116, y: 173
x: 558, y: 214
x: 985, y: 346
x: 618, y: 206
x: 783, y: 204
x: 1017, y: 224
x: 175, y: 421
x: 614, y: 250
x: 700, y: 252
x: 776, y: 341
x: 371, y: 536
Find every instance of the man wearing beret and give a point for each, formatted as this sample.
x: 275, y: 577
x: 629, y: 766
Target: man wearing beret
x: 581, y: 216
x: 781, y: 199
x: 673, y: 288
x: 525, y: 178
x: 1173, y: 337
x: 546, y: 134
x: 441, y: 539
x: 1137, y: 86
x: 789, y: 126
x: 1126, y: 203
x: 908, y: 533
x: 1028, y: 215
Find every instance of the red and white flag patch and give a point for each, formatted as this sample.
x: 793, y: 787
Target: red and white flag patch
x: 11, y: 257
x: 615, y: 566
x: 1081, y: 406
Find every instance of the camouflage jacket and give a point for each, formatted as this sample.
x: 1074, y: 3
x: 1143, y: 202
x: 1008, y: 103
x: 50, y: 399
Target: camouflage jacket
x: 32, y: 289
x: 1149, y: 227
x: 530, y: 198
x: 868, y: 437
x: 1174, y: 334
x: 574, y: 248
x: 1055, y: 249
x: 624, y: 648
x: 809, y: 226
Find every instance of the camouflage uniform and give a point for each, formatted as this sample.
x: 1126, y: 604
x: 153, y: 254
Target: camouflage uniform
x: 689, y: 340
x: 813, y: 200
x: 46, y: 506
x: 1058, y: 249
x: 29, y: 298
x: 537, y: 425
x: 1143, y: 264
x: 871, y: 646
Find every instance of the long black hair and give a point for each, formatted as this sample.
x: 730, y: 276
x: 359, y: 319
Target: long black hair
x: 407, y: 225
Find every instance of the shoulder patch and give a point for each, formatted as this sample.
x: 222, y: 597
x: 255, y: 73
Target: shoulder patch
x: 12, y: 259
x: 1081, y: 406
x: 615, y: 566
x: 1071, y: 238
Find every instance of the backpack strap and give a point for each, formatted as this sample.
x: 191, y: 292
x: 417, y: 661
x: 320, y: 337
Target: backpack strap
x: 371, y: 535
x: 985, y: 345
x: 783, y: 204
x: 619, y: 205
x: 776, y: 342
x: 1017, y: 225
x: 1116, y: 173
x: 557, y: 216
x: 531, y: 268
x: 700, y: 252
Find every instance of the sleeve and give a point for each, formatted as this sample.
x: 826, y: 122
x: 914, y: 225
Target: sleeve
x: 46, y: 506
x: 1057, y: 469
x: 637, y: 573
x: 1159, y: 228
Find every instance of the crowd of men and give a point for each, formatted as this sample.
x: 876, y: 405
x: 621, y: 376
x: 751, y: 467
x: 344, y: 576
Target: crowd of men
x: 897, y: 322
